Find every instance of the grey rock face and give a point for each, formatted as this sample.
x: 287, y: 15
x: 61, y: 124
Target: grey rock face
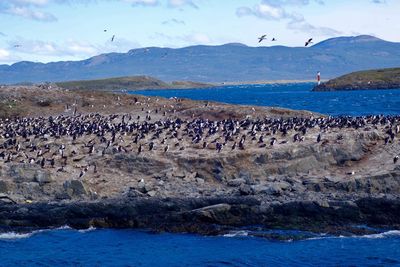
x: 3, y: 187
x: 25, y: 173
x: 75, y: 188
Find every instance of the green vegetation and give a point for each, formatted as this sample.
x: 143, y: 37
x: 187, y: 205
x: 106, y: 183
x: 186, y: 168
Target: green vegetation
x: 364, y: 80
x: 128, y: 83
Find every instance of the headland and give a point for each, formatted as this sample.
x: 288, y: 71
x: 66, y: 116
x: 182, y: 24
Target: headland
x: 363, y: 80
x: 90, y: 158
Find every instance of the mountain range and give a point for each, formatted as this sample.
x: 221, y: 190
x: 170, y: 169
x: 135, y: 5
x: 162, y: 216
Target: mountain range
x: 233, y: 62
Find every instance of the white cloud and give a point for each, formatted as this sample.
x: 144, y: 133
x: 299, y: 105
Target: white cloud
x: 173, y: 22
x: 180, y: 3
x: 29, y: 13
x: 195, y: 38
x: 300, y: 24
x: 30, y: 9
x: 378, y: 1
x: 70, y: 48
x: 4, y: 54
x: 6, y: 57
x: 264, y: 11
x: 275, y: 10
x: 142, y: 2
x: 291, y: 2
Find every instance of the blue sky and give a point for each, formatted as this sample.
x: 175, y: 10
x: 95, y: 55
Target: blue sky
x: 54, y: 30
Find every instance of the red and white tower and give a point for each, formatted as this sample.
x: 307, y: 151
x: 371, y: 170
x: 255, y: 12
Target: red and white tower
x: 319, y: 77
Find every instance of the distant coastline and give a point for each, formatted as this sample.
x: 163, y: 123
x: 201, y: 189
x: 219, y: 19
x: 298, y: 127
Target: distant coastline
x: 135, y: 83
x: 363, y: 80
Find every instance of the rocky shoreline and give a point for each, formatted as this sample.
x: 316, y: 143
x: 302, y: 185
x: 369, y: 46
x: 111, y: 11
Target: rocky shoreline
x: 208, y: 216
x: 87, y: 159
x: 377, y: 85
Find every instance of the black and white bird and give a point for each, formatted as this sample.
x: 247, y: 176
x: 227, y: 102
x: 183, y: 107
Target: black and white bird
x: 395, y: 159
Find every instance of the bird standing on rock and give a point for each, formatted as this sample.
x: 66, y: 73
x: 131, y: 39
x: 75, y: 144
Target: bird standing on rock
x: 395, y: 159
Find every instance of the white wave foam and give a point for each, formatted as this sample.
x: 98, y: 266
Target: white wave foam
x: 387, y: 234
x: 13, y: 235
x: 91, y: 228
x: 383, y: 235
x: 65, y: 227
x: 236, y: 234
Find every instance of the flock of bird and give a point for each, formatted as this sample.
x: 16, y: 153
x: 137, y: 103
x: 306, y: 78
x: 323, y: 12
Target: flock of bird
x: 264, y: 37
x: 56, y: 142
x: 260, y: 39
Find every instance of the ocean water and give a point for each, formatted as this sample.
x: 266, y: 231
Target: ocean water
x: 111, y: 247
x: 107, y: 247
x: 295, y: 96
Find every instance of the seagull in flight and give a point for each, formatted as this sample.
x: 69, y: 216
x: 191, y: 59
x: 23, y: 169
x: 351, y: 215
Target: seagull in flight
x: 309, y: 42
x: 262, y: 38
x: 112, y: 38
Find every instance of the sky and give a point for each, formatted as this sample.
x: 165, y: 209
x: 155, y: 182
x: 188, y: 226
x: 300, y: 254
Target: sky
x: 59, y: 30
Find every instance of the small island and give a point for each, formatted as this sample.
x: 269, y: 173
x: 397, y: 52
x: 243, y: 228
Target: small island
x: 130, y: 83
x: 363, y: 80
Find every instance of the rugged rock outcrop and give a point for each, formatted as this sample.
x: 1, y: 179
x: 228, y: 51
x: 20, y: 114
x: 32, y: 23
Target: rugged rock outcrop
x: 207, y: 215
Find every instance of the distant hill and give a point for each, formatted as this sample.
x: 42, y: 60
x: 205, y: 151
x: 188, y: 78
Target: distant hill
x: 128, y: 83
x: 225, y: 63
x: 364, y: 80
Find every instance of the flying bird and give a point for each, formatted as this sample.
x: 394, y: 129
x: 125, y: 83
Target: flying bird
x: 273, y: 40
x: 112, y: 38
x: 309, y: 42
x: 105, y: 30
x: 262, y: 38
x: 17, y: 45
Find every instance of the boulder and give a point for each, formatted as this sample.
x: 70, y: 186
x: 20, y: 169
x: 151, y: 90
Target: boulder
x: 219, y: 213
x: 43, y: 177
x: 152, y: 193
x: 200, y: 180
x: 275, y: 189
x: 21, y: 173
x: 245, y: 175
x: 245, y: 190
x: 26, y: 173
x: 236, y: 182
x: 143, y: 187
x: 6, y: 199
x: 191, y: 176
x: 75, y: 188
x: 133, y: 193
x: 4, y: 187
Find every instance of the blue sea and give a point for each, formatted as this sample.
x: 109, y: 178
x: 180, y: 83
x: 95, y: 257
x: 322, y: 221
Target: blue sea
x: 295, y: 96
x: 107, y: 247
x: 111, y: 247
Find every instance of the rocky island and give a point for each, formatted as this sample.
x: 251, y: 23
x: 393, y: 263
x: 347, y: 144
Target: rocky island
x: 90, y: 158
x: 364, y: 80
